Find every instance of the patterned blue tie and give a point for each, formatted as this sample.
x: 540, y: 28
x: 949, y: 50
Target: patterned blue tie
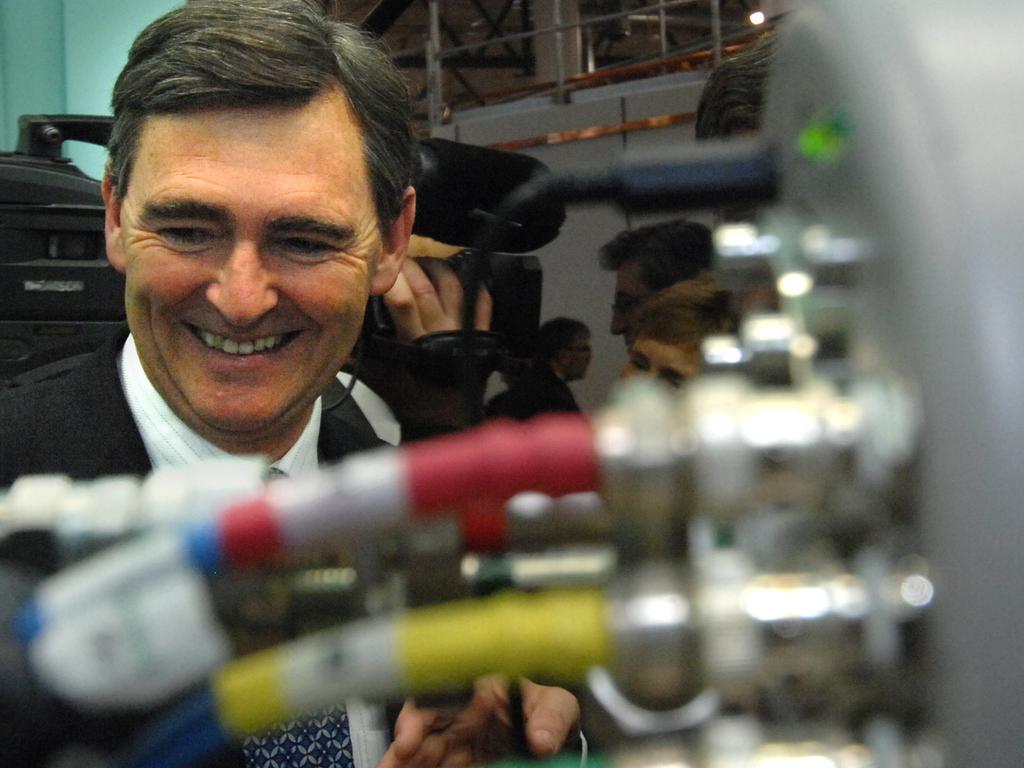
x: 321, y: 742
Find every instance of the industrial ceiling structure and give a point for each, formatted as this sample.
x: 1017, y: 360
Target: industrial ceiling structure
x: 512, y: 55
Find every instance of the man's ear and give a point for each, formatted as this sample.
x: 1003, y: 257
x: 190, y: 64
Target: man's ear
x: 112, y: 224
x: 396, y: 246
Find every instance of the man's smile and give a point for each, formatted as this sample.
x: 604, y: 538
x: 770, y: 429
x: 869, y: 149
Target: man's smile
x: 260, y: 345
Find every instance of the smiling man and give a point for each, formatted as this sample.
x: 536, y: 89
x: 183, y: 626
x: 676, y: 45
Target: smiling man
x: 250, y: 244
x: 258, y: 191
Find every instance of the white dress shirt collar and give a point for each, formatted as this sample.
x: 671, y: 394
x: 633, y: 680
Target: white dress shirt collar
x: 172, y: 443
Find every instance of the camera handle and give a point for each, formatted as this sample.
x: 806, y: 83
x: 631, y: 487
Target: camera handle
x: 44, y: 135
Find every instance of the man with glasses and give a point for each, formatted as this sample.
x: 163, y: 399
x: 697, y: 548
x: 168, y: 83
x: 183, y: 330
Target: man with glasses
x: 650, y: 258
x: 563, y: 355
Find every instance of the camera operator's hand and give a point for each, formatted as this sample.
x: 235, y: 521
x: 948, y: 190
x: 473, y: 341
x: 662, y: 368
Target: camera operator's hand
x: 427, y: 298
x: 482, y: 730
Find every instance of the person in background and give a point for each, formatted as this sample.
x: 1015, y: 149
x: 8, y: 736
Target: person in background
x: 650, y: 258
x: 733, y: 97
x: 563, y: 355
x: 671, y: 326
x: 731, y: 106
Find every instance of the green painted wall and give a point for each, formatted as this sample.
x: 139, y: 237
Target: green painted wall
x: 98, y: 34
x: 62, y: 56
x: 31, y: 62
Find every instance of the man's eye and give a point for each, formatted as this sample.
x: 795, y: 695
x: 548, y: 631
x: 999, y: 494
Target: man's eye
x: 625, y: 304
x: 640, y: 363
x: 186, y: 237
x: 307, y: 248
x: 672, y: 378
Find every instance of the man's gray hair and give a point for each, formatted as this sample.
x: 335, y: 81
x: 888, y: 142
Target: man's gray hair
x: 211, y: 54
x: 733, y: 96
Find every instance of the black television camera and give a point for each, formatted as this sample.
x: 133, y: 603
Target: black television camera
x: 59, y: 296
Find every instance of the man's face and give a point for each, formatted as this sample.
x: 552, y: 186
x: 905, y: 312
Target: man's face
x: 576, y: 359
x: 671, y: 363
x: 630, y: 293
x: 249, y: 242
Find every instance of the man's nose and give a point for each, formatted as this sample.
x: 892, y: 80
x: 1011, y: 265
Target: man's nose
x: 243, y: 289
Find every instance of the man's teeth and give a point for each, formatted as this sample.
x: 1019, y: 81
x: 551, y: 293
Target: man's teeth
x: 233, y: 347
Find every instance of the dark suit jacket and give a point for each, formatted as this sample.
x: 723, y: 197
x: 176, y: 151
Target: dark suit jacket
x: 538, y: 391
x: 79, y: 424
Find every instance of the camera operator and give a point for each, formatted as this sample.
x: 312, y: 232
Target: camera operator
x: 257, y: 193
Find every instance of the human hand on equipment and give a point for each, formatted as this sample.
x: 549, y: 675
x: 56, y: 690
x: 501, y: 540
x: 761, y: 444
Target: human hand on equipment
x: 482, y: 731
x: 427, y: 298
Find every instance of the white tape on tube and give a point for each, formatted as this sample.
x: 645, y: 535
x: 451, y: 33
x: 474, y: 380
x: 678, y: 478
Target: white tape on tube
x: 364, y: 492
x: 81, y: 586
x: 173, y: 495
x: 360, y: 660
x: 132, y: 648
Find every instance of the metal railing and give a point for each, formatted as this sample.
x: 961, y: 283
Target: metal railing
x: 435, y: 53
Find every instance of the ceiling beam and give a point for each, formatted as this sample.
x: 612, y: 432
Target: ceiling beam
x: 469, y: 61
x: 384, y: 14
